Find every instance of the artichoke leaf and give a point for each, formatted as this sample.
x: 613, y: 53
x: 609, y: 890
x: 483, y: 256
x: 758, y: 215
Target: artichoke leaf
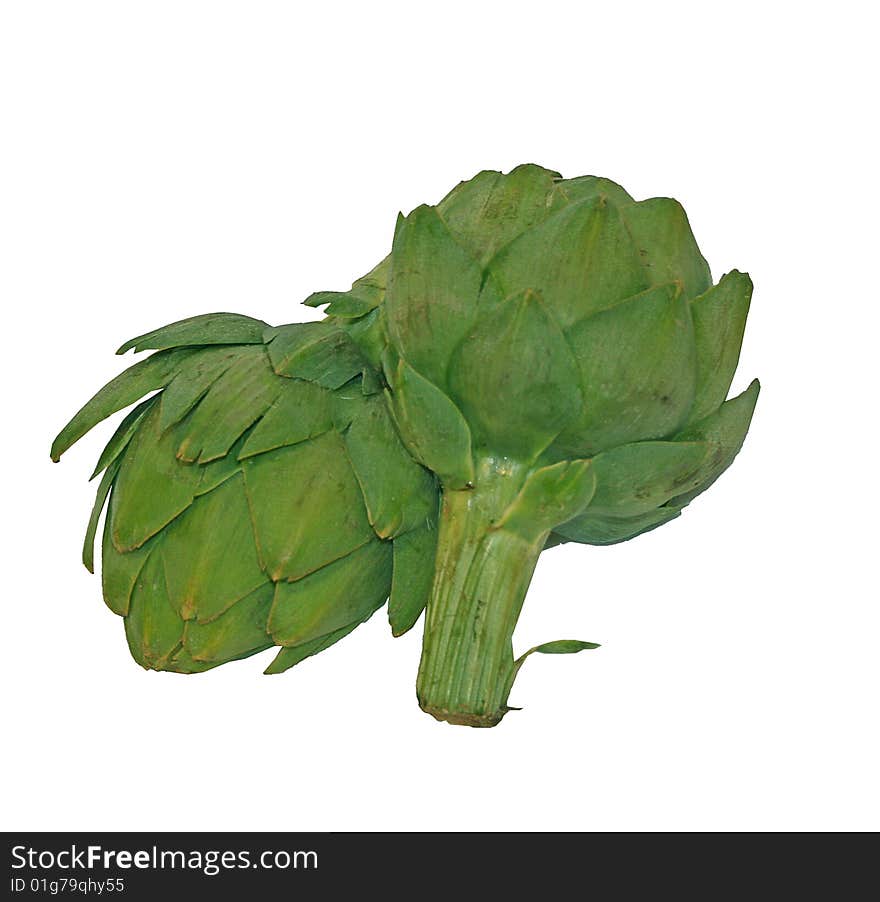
x: 238, y: 632
x: 365, y: 294
x: 550, y: 496
x: 432, y: 294
x: 291, y: 655
x: 346, y: 403
x: 235, y: 401
x: 119, y: 442
x: 667, y: 247
x: 553, y: 540
x: 128, y: 387
x: 514, y: 378
x: 206, y: 329
x: 192, y: 382
x: 306, y: 506
x: 181, y: 661
x: 374, y: 283
x: 218, y: 471
x: 557, y: 647
x: 635, y: 479
x: 210, y: 555
x: 119, y: 571
x: 587, y: 187
x: 592, y: 529
x: 368, y: 333
x: 317, y: 352
x: 490, y: 210
x: 582, y: 258
x: 152, y: 626
x: 347, y: 590
x: 302, y: 410
x: 411, y: 577
x: 88, y: 551
x: 637, y: 371
x: 719, y: 324
x: 431, y: 426
x: 343, y: 304
x: 152, y: 486
x: 726, y: 431
x: 398, y: 492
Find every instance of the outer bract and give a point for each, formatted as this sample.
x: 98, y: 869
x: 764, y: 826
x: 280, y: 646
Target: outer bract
x: 539, y: 360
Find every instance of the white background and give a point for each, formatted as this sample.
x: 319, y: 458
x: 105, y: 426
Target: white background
x: 165, y: 159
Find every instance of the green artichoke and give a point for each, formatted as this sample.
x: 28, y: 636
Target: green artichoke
x: 538, y: 360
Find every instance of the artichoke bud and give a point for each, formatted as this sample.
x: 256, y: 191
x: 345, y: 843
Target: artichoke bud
x: 538, y: 360
x: 555, y: 313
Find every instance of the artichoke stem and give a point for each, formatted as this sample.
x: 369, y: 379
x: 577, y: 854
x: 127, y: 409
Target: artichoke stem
x: 481, y: 577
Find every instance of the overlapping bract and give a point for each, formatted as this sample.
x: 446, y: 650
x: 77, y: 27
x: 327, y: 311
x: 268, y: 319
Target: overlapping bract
x: 257, y: 499
x: 278, y: 484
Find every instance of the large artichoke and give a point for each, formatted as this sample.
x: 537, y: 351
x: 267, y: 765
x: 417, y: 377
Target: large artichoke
x: 539, y: 360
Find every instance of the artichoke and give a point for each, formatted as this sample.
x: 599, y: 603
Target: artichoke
x: 538, y: 360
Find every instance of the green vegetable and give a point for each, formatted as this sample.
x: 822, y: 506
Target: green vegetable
x: 538, y: 360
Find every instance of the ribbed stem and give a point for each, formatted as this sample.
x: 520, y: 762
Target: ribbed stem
x: 480, y: 581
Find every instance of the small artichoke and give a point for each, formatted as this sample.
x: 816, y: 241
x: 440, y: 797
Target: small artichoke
x: 539, y: 360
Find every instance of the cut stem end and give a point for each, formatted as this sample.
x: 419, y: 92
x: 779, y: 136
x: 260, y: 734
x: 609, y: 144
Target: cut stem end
x: 482, y: 573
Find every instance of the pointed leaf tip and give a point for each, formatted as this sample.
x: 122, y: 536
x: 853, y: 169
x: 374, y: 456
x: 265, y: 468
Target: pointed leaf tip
x: 563, y: 647
x: 719, y: 317
x: 411, y: 577
x: 557, y: 647
x: 206, y: 329
x: 432, y: 295
x: 290, y: 655
x: 726, y: 429
x: 128, y: 387
x: 88, y: 550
